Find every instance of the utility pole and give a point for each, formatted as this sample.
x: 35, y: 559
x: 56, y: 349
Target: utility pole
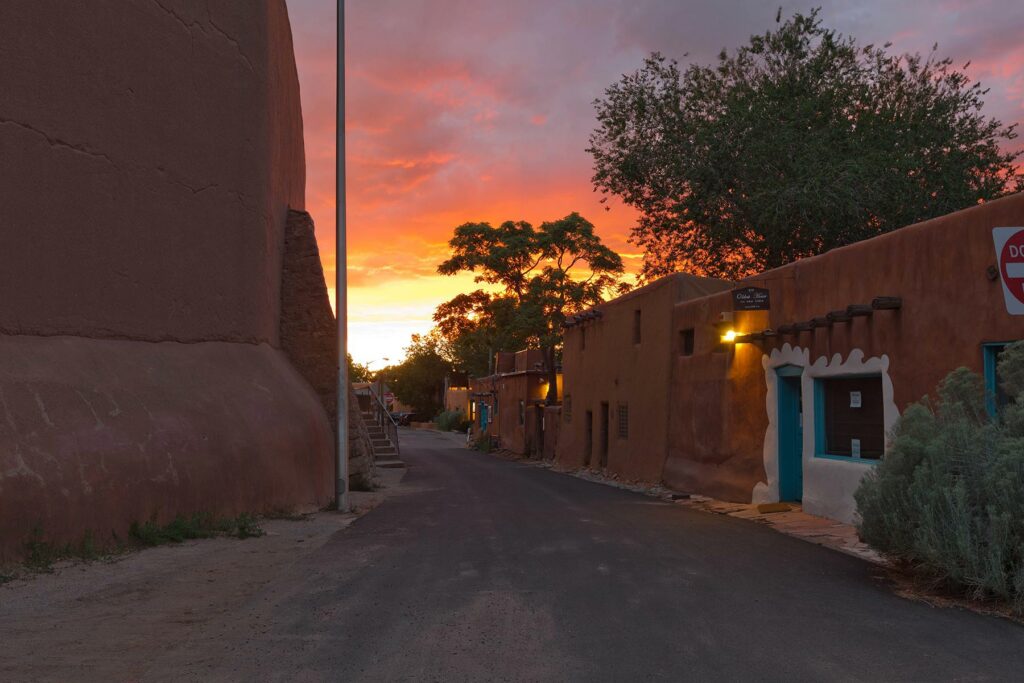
x: 340, y: 275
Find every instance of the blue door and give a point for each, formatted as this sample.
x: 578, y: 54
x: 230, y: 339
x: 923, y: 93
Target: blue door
x: 483, y: 415
x: 791, y: 434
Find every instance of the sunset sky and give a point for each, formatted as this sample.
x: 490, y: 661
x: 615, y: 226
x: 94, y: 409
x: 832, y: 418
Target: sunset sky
x: 471, y: 110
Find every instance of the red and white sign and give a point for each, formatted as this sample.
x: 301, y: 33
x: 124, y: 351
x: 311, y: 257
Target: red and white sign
x: 1010, y: 253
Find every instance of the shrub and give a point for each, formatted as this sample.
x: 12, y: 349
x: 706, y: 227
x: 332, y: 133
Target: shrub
x: 948, y: 498
x: 452, y: 420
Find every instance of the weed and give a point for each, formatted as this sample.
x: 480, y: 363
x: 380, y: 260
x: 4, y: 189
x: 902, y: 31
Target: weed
x: 198, y: 525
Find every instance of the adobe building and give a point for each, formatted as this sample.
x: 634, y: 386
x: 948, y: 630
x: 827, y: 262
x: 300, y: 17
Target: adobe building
x: 456, y: 394
x: 615, y: 407
x: 787, y: 387
x: 508, y: 406
x: 166, y: 344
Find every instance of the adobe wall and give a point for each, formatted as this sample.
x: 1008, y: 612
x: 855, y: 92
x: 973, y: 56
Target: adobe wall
x: 151, y: 150
x: 150, y: 153
x: 723, y: 438
x: 552, y: 426
x: 611, y: 368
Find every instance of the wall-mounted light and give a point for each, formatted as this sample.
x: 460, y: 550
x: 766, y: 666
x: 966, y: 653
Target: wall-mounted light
x: 729, y: 337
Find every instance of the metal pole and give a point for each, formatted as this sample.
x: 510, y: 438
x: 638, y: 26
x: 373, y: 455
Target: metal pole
x: 340, y: 274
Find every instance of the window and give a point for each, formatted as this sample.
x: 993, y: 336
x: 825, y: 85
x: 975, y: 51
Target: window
x: 849, y: 417
x: 995, y: 397
x: 637, y: 318
x: 522, y: 412
x: 686, y: 342
x: 623, y: 420
x: 567, y: 408
x: 472, y: 411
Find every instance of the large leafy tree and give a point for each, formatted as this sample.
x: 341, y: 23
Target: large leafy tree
x: 419, y: 379
x: 796, y: 143
x: 539, y: 276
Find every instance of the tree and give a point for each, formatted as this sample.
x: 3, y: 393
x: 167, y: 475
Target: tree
x: 799, y: 142
x: 542, y: 274
x: 419, y: 380
x: 357, y: 372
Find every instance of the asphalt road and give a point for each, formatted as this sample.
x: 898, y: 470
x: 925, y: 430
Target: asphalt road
x: 483, y: 569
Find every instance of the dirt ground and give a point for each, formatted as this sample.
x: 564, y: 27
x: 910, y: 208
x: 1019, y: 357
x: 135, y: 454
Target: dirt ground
x: 110, y: 619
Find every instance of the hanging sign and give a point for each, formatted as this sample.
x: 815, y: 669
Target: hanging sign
x: 751, y: 299
x: 1009, y: 243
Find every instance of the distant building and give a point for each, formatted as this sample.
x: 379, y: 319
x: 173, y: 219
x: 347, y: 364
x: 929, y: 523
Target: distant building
x: 456, y: 393
x: 794, y: 398
x: 508, y: 406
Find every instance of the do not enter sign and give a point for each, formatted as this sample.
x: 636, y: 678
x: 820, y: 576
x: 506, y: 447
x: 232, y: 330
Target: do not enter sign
x: 1009, y: 244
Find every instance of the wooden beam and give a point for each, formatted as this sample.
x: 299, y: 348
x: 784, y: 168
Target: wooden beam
x: 838, y: 316
x: 859, y: 310
x: 886, y: 303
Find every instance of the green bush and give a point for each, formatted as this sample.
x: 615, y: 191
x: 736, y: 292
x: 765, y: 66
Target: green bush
x: 452, y: 420
x: 948, y: 498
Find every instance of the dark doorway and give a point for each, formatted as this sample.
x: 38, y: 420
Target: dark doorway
x: 588, y: 454
x: 604, y: 435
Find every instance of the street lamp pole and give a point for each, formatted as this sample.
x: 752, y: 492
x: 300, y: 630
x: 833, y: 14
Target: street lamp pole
x: 340, y: 274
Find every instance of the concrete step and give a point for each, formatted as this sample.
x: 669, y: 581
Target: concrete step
x: 380, y: 442
x: 388, y: 452
x: 390, y: 463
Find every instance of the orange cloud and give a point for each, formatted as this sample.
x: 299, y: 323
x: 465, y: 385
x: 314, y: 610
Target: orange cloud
x: 481, y: 111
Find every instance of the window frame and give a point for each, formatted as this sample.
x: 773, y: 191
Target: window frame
x: 820, y: 439
x: 990, y: 357
x: 622, y: 426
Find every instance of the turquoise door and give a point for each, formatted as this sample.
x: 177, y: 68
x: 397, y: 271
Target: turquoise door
x: 791, y: 434
x: 483, y: 415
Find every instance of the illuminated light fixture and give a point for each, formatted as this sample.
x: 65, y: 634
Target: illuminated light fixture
x: 729, y: 337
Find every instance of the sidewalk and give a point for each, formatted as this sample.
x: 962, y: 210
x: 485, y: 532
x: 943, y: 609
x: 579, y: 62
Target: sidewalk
x: 790, y: 519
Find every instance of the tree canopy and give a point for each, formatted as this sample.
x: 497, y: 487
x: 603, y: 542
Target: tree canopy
x: 418, y: 380
x: 539, y: 276
x: 796, y: 143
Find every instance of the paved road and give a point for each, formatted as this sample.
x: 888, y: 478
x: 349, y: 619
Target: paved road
x: 482, y: 569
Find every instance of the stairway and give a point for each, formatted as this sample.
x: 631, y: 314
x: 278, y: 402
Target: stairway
x: 385, y: 453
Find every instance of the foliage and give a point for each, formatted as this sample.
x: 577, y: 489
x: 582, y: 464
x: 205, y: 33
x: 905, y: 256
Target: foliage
x: 541, y: 275
x: 40, y: 554
x: 483, y: 442
x: 949, y: 495
x: 419, y: 380
x: 796, y: 143
x: 199, y: 525
x: 452, y: 421
x: 357, y: 372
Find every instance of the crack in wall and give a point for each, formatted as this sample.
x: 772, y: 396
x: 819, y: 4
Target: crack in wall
x: 54, y: 141
x: 189, y: 25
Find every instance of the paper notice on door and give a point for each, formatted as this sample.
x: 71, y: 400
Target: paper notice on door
x: 855, y: 448
x: 855, y: 399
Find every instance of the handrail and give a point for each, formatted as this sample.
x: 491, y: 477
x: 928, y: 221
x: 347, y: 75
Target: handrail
x: 385, y: 420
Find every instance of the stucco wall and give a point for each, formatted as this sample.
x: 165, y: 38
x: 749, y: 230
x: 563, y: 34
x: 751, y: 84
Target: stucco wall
x: 723, y: 436
x: 151, y: 150
x: 612, y: 368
